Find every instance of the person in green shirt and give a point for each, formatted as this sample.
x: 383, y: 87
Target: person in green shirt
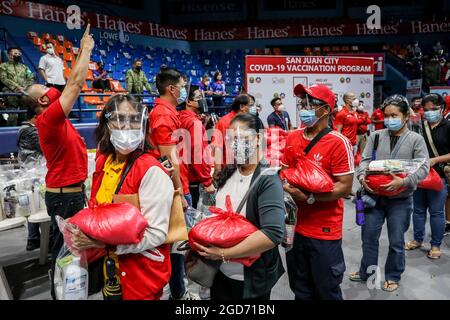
x: 137, y: 80
x: 15, y: 77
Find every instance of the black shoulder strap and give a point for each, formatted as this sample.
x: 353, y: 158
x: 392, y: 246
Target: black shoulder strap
x: 317, y: 139
x: 129, y: 164
x: 376, y: 141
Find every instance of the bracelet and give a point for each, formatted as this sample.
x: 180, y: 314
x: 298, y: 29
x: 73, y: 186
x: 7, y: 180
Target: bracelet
x: 222, y: 253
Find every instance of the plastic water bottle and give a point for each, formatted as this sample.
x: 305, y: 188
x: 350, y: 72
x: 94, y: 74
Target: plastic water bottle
x: 360, y: 210
x: 290, y: 220
x: 75, y: 286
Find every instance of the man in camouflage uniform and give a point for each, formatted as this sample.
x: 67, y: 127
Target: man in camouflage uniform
x: 137, y: 80
x: 15, y: 76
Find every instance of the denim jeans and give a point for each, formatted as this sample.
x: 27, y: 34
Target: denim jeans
x: 434, y: 201
x: 33, y: 232
x: 64, y: 205
x: 176, y: 282
x: 315, y: 268
x: 397, y: 213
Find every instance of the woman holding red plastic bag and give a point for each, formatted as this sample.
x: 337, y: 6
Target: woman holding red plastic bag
x: 437, y: 137
x: 395, y: 142
x: 144, y: 268
x: 264, y: 208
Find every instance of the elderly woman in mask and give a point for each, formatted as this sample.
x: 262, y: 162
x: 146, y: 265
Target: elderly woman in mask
x: 264, y: 208
x: 144, y: 268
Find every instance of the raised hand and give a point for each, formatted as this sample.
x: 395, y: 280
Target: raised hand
x: 87, y: 41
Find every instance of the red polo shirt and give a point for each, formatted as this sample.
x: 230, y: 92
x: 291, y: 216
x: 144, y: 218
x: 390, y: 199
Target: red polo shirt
x: 164, y: 122
x: 321, y: 220
x: 63, y: 148
x: 198, y: 153
x: 220, y: 133
x: 349, y: 122
x: 378, y: 115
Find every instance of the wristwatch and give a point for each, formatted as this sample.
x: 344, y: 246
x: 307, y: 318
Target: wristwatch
x: 311, y: 199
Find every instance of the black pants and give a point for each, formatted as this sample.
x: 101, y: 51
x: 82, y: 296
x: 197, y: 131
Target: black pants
x: 194, y: 190
x: 225, y: 288
x: 102, y: 84
x: 64, y: 205
x: 60, y: 87
x: 316, y: 268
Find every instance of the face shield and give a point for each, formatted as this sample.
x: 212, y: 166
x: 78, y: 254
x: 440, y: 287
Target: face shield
x: 243, y: 144
x: 127, y: 123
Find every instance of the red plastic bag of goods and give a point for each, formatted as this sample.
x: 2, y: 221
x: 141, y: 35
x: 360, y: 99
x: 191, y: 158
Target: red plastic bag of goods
x: 375, y: 181
x: 92, y: 254
x: 432, y: 182
x: 113, y: 224
x: 226, y: 229
x: 308, y: 176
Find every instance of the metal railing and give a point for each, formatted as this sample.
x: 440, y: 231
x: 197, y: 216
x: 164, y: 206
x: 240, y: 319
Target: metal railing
x: 80, y: 110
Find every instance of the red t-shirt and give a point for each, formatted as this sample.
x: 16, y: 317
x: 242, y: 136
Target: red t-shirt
x: 321, y: 220
x: 199, y: 159
x: 220, y: 134
x: 365, y: 121
x: 378, y: 115
x: 63, y: 148
x: 349, y: 122
x: 164, y: 122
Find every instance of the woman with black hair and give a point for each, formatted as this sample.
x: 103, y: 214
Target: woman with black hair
x: 264, y: 208
x: 241, y: 104
x: 395, y: 142
x: 436, y: 133
x: 122, y: 140
x: 218, y: 89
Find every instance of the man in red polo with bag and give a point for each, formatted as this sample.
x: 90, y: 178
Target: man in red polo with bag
x: 316, y: 262
x: 62, y: 146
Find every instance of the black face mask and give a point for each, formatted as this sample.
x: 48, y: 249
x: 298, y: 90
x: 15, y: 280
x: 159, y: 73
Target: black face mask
x: 17, y: 58
x: 138, y: 68
x: 202, y: 106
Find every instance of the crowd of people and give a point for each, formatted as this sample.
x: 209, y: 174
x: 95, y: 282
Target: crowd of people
x: 434, y: 67
x: 134, y: 147
x: 15, y: 77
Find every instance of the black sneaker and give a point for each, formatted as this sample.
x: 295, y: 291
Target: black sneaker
x: 447, y: 229
x: 33, y: 245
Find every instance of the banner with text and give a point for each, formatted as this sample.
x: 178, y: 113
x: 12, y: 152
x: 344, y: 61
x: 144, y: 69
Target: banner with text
x: 299, y: 29
x: 270, y: 76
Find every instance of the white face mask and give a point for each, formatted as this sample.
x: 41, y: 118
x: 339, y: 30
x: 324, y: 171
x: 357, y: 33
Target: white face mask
x: 355, y: 103
x: 50, y: 51
x: 360, y: 108
x: 281, y: 108
x: 126, y: 141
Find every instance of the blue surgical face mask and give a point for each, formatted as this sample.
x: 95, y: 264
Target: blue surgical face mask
x: 433, y: 116
x: 308, y: 117
x: 393, y: 124
x: 183, y: 95
x: 253, y: 110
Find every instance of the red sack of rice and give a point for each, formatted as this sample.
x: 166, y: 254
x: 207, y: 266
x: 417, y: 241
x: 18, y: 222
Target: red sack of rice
x: 308, y: 176
x: 375, y: 181
x: 113, y: 224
